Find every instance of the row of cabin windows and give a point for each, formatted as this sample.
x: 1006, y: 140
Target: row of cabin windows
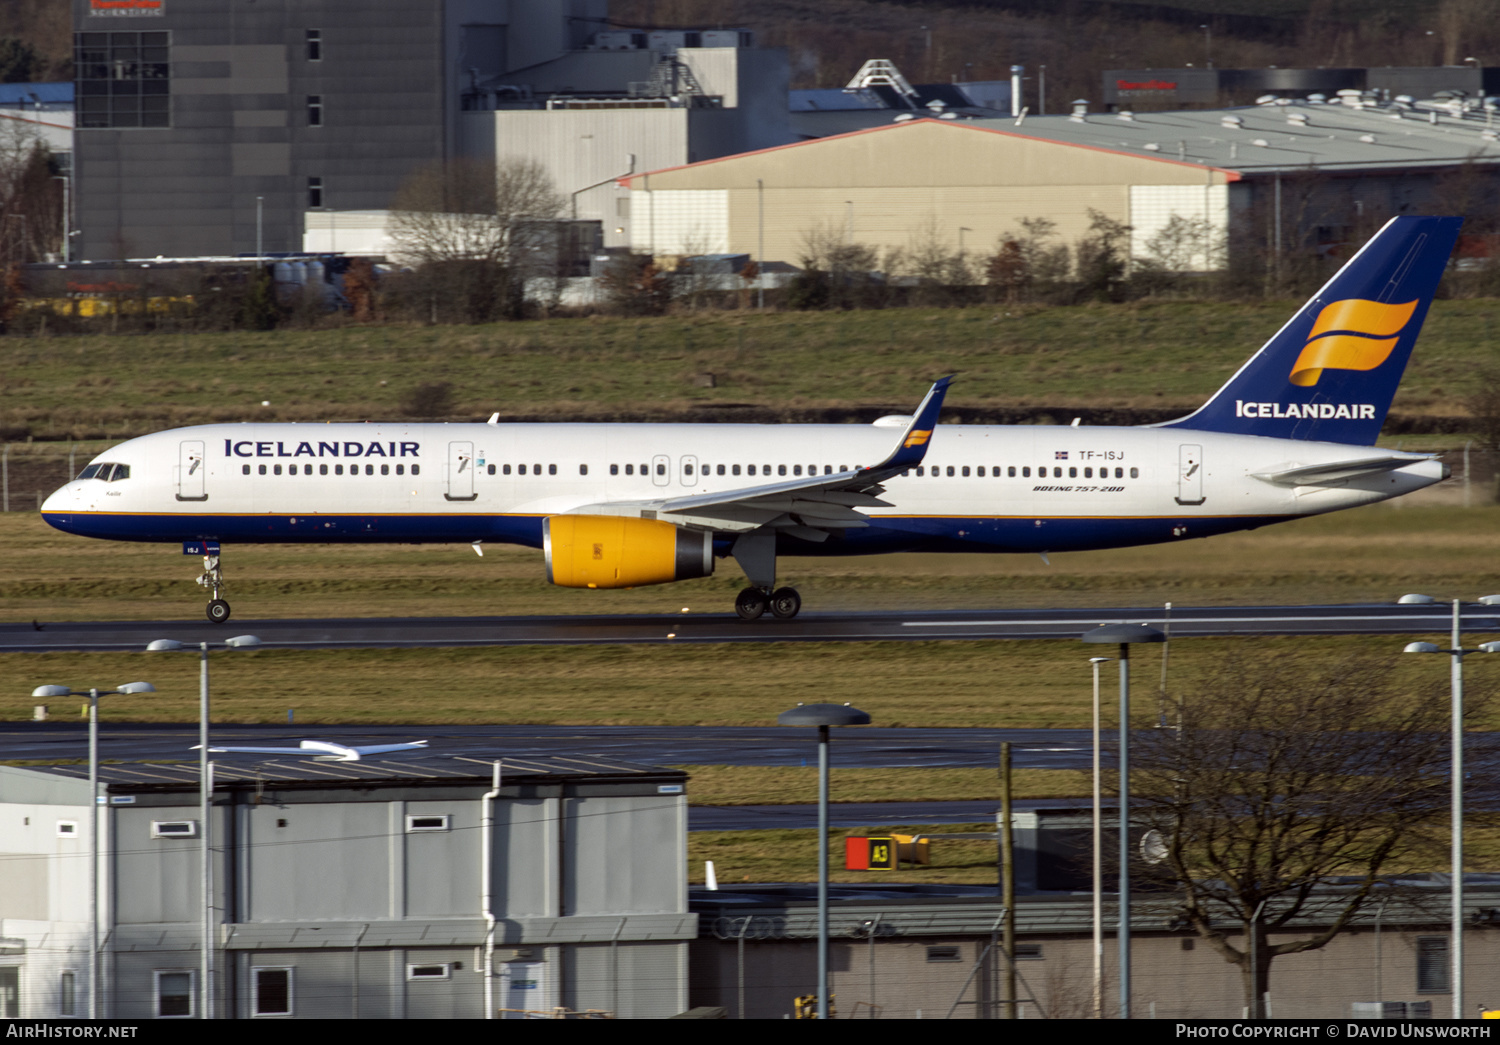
x: 338, y: 469
x: 1024, y: 472
x: 536, y: 469
x: 729, y: 469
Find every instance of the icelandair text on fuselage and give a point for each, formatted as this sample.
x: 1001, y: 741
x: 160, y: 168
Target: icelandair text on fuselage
x: 1368, y: 1029
x: 261, y: 448
x: 1352, y: 411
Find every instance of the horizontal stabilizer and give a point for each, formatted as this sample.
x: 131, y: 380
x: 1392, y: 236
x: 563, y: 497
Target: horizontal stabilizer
x: 1337, y: 471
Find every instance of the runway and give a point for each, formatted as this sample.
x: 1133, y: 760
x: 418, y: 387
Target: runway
x: 434, y: 632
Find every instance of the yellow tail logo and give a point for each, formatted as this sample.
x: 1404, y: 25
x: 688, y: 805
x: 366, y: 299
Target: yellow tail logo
x: 918, y: 438
x: 1351, y: 335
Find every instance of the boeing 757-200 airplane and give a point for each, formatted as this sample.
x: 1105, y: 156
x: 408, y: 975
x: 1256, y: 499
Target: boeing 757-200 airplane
x: 1291, y: 434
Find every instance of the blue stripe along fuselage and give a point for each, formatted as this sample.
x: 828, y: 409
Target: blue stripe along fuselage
x: 885, y: 534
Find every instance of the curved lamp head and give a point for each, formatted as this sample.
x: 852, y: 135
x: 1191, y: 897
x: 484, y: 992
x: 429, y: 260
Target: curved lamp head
x: 136, y: 687
x: 51, y: 691
x: 242, y: 641
x: 164, y: 645
x: 1415, y: 599
x: 1421, y: 647
x: 1489, y: 647
x: 823, y: 715
x: 1119, y: 634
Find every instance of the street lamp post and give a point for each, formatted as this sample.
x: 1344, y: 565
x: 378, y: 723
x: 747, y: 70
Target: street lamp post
x: 205, y: 805
x: 1456, y: 779
x: 1095, y: 662
x: 823, y: 716
x: 1124, y: 635
x: 93, y: 695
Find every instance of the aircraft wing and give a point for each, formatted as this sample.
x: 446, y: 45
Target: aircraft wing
x: 1336, y: 471
x: 325, y: 749
x: 810, y: 507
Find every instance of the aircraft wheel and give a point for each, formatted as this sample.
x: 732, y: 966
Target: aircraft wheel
x: 218, y: 611
x: 750, y: 603
x: 785, y: 602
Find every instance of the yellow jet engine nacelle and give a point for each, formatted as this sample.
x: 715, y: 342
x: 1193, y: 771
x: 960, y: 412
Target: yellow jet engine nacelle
x: 606, y: 551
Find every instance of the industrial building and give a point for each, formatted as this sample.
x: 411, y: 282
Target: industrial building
x: 1213, y: 88
x: 1287, y: 175
x: 350, y: 890
x: 213, y: 129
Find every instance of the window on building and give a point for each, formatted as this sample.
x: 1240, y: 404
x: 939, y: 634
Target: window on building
x: 315, y: 110
x: 273, y: 992
x: 429, y: 972
x: 944, y: 953
x: 174, y: 829
x: 427, y: 822
x: 314, y: 193
x: 123, y: 79
x: 315, y: 45
x: 67, y: 994
x: 1432, y: 965
x: 174, y: 994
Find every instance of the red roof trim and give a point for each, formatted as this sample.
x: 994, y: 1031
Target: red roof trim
x: 1230, y: 175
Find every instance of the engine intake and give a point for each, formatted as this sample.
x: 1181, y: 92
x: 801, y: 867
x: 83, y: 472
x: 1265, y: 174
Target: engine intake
x: 606, y: 551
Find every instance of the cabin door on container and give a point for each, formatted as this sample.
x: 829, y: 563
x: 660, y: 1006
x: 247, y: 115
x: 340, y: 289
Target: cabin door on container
x: 461, y: 472
x: 1189, y: 474
x: 190, y: 469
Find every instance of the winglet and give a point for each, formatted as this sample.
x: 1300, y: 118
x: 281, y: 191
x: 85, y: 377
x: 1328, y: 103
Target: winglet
x: 912, y: 448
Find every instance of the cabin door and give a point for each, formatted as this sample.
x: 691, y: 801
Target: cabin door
x: 190, y: 469
x: 661, y: 470
x: 1189, y: 474
x: 461, y: 472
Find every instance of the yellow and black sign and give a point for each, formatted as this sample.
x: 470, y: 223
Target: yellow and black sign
x: 882, y: 854
x: 805, y: 1007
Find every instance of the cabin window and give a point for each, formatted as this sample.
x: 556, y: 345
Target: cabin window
x: 536, y: 469
x: 1135, y: 473
x: 645, y: 470
x: 781, y: 469
x: 244, y: 469
x: 1010, y: 472
x: 322, y: 469
x: 720, y: 470
x: 614, y: 469
x: 796, y: 469
x: 921, y: 470
x: 1073, y: 473
x: 276, y: 469
x: 979, y: 472
x: 401, y: 469
x: 736, y: 469
x: 950, y: 471
x: 385, y: 469
x: 520, y: 469
x: 369, y: 469
x: 416, y: 469
x: 937, y: 471
x: 583, y: 469
x: 687, y: 469
x: 1088, y: 473
x: 630, y: 469
x: 552, y: 469
x: 828, y: 469
x: 1026, y: 472
x: 338, y: 469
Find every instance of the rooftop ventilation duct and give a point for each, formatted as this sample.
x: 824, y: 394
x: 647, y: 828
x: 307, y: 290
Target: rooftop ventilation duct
x: 1231, y: 121
x: 1080, y: 110
x: 1126, y: 115
x: 1297, y: 119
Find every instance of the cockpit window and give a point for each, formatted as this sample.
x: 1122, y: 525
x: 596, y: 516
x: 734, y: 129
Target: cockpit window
x: 90, y: 472
x: 122, y: 471
x: 110, y: 473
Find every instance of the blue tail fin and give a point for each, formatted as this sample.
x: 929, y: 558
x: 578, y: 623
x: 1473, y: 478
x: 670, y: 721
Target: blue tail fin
x: 1331, y: 372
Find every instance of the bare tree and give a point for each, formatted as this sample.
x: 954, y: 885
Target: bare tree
x: 30, y: 200
x: 477, y: 230
x: 1291, y: 793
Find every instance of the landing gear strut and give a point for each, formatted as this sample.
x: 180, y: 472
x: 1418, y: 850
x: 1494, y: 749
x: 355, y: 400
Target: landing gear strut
x: 212, y: 578
x: 756, y: 554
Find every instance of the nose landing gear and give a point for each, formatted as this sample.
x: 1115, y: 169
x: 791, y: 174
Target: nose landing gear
x: 212, y: 578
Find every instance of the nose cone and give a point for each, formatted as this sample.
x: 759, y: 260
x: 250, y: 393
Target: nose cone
x: 57, y: 508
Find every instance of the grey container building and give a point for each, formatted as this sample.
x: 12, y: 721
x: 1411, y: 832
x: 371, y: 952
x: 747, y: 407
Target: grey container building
x: 352, y: 890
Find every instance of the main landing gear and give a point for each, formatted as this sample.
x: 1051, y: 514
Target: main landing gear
x: 784, y: 603
x: 212, y: 578
x: 756, y: 554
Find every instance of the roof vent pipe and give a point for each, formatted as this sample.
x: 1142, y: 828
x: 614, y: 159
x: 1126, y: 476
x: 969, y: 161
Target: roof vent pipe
x: 1080, y: 110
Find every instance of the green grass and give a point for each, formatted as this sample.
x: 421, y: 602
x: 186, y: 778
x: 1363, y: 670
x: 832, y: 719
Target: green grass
x: 1139, y: 355
x: 1370, y: 554
x: 798, y: 785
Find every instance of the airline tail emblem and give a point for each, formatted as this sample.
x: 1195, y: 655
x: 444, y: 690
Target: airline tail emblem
x: 918, y: 438
x: 1354, y: 334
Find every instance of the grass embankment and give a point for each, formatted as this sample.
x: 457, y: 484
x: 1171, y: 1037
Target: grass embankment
x: 1159, y: 355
